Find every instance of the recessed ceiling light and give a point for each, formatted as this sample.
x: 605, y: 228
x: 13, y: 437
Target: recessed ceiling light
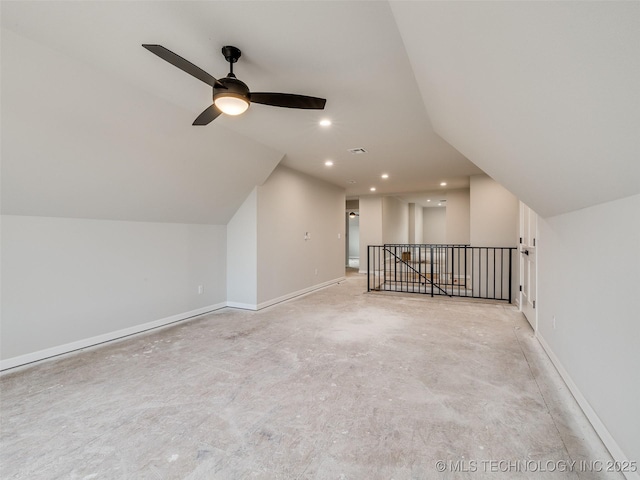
x: 325, y: 122
x: 428, y: 199
x: 439, y: 204
x: 373, y: 189
x: 443, y: 184
x: 328, y: 163
x: 384, y: 175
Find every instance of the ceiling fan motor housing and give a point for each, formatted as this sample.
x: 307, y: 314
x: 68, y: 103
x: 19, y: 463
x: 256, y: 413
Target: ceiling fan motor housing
x: 235, y: 88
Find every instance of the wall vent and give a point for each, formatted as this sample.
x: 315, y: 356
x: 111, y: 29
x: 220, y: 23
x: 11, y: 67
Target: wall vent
x: 357, y: 151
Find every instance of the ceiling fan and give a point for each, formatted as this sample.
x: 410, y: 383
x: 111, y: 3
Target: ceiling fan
x: 230, y: 95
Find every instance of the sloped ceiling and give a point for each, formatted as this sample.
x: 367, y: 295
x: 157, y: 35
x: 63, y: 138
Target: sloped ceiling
x: 543, y: 96
x: 62, y: 160
x: 95, y: 126
x: 80, y: 142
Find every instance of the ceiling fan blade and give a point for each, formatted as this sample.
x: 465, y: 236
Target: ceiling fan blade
x: 184, y: 65
x: 208, y: 116
x: 288, y: 100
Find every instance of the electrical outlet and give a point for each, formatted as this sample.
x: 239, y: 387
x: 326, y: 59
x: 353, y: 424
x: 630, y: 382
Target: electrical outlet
x: 316, y: 271
x: 339, y: 235
x: 200, y: 289
x: 553, y: 320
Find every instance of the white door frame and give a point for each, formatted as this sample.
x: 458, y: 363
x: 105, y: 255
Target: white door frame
x: 528, y: 264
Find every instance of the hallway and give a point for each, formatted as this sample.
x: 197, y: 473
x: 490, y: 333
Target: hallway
x: 336, y: 384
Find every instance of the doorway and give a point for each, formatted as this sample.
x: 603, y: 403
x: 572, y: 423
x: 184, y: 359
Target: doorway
x: 353, y: 239
x: 528, y: 264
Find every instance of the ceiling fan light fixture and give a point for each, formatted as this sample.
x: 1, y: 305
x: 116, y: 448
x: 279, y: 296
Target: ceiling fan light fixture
x: 231, y: 104
x: 230, y: 95
x: 234, y: 98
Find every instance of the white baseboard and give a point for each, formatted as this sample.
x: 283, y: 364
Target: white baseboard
x: 283, y: 298
x: 106, y: 337
x: 242, y: 306
x: 298, y: 293
x: 21, y: 360
x: 602, y: 431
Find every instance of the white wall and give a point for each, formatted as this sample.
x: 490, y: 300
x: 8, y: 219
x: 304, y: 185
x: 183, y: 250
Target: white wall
x: 370, y: 226
x: 242, y: 254
x: 419, y: 219
x: 494, y: 214
x: 395, y: 220
x: 412, y: 223
x: 415, y: 223
x: 589, y: 279
x: 458, y: 217
x: 434, y: 226
x: 68, y: 280
x: 494, y: 222
x: 291, y: 203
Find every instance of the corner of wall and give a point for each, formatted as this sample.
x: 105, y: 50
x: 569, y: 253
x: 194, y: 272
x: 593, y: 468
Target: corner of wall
x: 242, y: 253
x: 301, y: 239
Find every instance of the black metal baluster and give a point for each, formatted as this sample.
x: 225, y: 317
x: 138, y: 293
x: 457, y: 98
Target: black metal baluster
x: 466, y: 287
x: 382, y: 261
x: 368, y: 267
x: 395, y: 271
x: 473, y: 270
x: 502, y: 274
x: 486, y: 256
x: 510, y: 275
x: 458, y: 272
x: 431, y: 265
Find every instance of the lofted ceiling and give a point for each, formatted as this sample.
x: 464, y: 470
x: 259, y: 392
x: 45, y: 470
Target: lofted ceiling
x: 543, y: 96
x: 539, y: 95
x: 85, y: 101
